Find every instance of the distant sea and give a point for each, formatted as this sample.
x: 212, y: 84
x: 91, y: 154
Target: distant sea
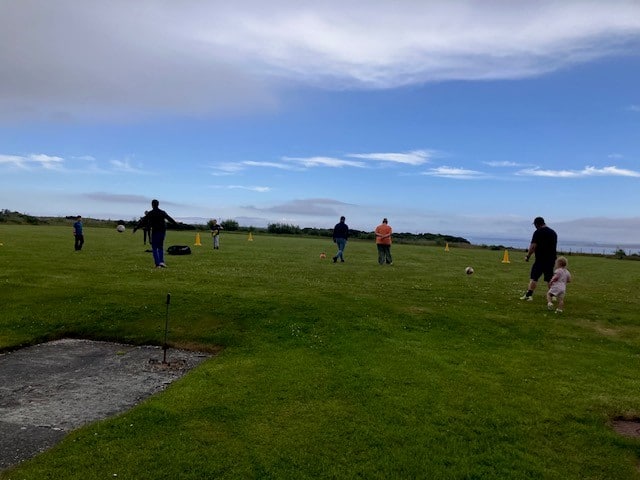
x: 566, y: 247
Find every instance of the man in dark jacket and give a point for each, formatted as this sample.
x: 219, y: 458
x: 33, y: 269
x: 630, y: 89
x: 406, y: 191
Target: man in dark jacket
x: 155, y: 219
x: 340, y: 236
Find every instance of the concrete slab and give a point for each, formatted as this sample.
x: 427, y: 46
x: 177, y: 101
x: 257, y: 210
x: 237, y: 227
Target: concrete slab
x: 50, y: 389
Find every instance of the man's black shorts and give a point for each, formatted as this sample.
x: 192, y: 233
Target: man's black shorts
x: 542, y: 267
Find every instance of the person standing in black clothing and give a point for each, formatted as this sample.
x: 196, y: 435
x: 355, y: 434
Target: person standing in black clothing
x: 146, y: 231
x: 544, y: 243
x: 156, y: 219
x: 78, y: 234
x: 340, y: 236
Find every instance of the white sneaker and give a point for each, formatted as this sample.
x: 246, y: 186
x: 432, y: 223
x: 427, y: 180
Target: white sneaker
x: 528, y: 299
x: 550, y: 305
x: 558, y: 310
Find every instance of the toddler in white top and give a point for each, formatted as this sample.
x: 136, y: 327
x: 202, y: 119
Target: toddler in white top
x: 558, y: 284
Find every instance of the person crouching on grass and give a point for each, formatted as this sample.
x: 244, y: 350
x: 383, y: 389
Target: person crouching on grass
x: 558, y: 284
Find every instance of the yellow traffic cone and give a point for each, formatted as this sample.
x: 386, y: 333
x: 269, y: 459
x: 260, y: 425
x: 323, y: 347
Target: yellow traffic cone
x: 505, y: 258
x: 198, y: 244
x: 446, y: 247
x: 250, y: 239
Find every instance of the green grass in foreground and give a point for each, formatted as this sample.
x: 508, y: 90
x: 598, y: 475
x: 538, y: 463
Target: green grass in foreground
x: 337, y: 370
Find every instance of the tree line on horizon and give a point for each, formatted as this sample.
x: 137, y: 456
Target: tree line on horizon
x: 230, y: 225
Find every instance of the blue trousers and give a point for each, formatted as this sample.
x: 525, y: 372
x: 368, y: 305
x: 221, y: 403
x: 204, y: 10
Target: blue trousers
x: 341, y: 243
x: 157, y: 246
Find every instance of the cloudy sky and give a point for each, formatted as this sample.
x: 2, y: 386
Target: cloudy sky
x: 455, y: 117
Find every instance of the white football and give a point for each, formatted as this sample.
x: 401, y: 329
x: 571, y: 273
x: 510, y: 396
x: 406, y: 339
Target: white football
x: 120, y: 228
x: 468, y: 270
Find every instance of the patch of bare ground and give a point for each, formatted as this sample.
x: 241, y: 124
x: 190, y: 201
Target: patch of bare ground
x: 600, y: 329
x: 50, y: 389
x: 626, y: 427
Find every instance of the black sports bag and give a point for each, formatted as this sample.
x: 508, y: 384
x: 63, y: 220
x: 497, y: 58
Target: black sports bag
x: 179, y: 250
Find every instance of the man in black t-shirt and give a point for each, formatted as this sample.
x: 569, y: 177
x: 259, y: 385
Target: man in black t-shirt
x: 543, y: 244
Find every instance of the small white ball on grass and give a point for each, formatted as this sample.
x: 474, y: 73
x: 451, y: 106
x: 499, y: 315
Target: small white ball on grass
x: 468, y: 270
x: 120, y: 228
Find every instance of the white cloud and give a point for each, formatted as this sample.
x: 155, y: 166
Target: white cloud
x: 125, y: 166
x: 634, y: 108
x: 251, y: 188
x: 282, y: 166
x: 47, y: 162
x: 311, y: 162
x: 415, y: 42
x: 243, y: 187
x: 86, y: 158
x: 610, y: 171
x: 585, y: 172
x: 226, y: 168
x: 13, y: 161
x: 453, y: 172
x: 503, y: 164
x: 538, y: 172
x: 123, y: 59
x: 415, y: 157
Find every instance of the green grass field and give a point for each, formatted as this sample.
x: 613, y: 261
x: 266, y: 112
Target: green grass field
x: 326, y: 370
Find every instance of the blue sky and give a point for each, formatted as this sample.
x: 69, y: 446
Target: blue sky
x: 461, y: 118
